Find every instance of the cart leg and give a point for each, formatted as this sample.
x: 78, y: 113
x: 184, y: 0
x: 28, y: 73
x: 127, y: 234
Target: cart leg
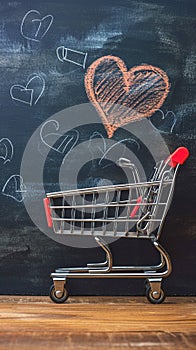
x: 154, y: 292
x: 105, y: 266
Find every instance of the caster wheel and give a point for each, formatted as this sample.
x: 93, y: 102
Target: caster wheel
x: 152, y: 299
x: 55, y: 298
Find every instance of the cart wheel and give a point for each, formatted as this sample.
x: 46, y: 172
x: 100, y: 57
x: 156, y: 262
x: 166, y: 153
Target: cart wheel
x: 54, y: 297
x: 151, y: 297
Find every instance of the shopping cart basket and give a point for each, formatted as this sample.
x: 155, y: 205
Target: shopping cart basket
x: 135, y: 210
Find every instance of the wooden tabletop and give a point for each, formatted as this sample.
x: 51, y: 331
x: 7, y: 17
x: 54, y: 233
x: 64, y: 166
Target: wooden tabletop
x: 97, y: 323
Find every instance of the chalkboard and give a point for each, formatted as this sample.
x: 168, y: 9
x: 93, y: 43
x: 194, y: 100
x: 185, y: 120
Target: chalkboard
x: 55, y: 136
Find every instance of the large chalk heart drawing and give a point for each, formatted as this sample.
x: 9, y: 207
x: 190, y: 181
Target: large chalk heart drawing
x: 110, y: 87
x: 34, y: 27
x: 29, y: 94
x: 14, y: 188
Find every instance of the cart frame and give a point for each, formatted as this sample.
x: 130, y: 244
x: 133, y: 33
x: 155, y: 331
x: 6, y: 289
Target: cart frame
x: 145, y: 215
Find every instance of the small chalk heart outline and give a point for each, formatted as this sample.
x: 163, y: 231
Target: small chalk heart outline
x: 147, y: 82
x: 8, y: 150
x: 39, y: 26
x: 23, y: 88
x: 12, y: 181
x: 164, y: 117
x: 65, y: 142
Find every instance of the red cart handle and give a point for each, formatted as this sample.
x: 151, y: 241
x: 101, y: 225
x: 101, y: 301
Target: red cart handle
x: 47, y: 211
x: 178, y: 156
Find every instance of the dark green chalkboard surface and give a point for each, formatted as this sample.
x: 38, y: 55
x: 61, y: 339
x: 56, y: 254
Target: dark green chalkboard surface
x: 53, y: 136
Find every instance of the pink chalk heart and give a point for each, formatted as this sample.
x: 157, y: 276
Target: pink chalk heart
x: 110, y: 87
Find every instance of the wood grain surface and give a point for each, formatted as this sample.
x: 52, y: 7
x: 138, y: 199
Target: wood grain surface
x: 97, y: 323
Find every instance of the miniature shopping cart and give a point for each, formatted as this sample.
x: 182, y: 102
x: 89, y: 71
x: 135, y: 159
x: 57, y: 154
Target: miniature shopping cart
x: 134, y: 210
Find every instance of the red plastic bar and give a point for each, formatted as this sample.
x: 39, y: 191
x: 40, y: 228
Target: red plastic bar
x: 47, y: 211
x: 178, y: 156
x: 136, y: 208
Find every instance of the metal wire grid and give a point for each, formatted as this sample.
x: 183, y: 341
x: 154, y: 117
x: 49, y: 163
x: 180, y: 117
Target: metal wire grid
x: 106, y: 211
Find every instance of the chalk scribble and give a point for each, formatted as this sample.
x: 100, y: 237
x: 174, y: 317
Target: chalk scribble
x: 73, y: 56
